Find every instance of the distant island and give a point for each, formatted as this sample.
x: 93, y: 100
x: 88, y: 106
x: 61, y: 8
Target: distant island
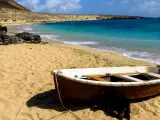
x: 14, y: 16
x: 13, y: 13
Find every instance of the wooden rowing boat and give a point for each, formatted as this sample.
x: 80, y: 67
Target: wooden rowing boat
x: 91, y: 83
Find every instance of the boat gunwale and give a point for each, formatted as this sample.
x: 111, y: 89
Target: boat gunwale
x: 109, y: 84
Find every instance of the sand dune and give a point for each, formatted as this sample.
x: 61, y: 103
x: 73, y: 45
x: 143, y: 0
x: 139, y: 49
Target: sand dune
x: 27, y: 88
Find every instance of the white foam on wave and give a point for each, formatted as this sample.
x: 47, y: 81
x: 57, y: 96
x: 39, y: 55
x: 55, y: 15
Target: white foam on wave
x: 136, y: 53
x: 81, y: 43
x: 27, y: 28
x: 50, y: 36
x: 145, y: 56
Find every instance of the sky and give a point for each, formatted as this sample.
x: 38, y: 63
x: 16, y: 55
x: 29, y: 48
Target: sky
x: 147, y: 8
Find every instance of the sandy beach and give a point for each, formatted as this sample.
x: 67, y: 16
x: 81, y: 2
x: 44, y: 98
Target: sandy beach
x: 27, y: 88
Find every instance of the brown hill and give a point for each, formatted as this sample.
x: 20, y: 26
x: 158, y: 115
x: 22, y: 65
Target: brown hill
x: 15, y: 16
x: 12, y: 5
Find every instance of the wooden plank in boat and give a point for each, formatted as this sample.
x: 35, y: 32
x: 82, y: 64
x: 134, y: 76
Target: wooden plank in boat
x: 102, y: 75
x: 97, y: 78
x: 154, y: 74
x: 122, y: 76
x: 126, y: 77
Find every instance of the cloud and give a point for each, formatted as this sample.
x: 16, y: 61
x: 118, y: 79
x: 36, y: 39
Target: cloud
x: 32, y: 4
x: 124, y: 1
x: 123, y: 7
x: 52, y: 6
x: 109, y: 3
x: 147, y: 7
x: 138, y: 7
x: 150, y: 6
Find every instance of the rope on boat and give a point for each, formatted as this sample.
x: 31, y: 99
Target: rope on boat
x: 60, y: 98
x: 59, y: 95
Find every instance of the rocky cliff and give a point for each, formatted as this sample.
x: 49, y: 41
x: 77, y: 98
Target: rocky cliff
x: 117, y: 17
x: 12, y: 5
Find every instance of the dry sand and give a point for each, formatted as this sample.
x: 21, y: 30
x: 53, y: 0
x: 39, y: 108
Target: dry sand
x: 27, y: 88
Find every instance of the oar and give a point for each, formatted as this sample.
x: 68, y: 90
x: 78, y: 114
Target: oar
x: 97, y: 78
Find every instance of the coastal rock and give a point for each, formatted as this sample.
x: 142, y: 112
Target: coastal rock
x: 4, y: 38
x: 116, y: 17
x: 36, y: 39
x: 3, y: 33
x: 18, y: 38
x: 15, y: 40
x: 25, y: 36
x: 29, y: 37
x: 3, y: 28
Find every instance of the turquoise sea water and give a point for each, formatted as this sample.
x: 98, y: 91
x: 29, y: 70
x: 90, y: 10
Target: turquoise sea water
x: 138, y: 39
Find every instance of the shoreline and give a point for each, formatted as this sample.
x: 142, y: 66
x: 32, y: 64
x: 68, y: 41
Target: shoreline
x: 12, y: 29
x: 55, y: 41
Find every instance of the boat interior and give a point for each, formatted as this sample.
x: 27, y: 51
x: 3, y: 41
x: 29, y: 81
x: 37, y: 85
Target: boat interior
x: 135, y: 77
x: 115, y: 74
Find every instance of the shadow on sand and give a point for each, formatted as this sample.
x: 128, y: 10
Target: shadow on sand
x: 114, y: 106
x: 118, y: 107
